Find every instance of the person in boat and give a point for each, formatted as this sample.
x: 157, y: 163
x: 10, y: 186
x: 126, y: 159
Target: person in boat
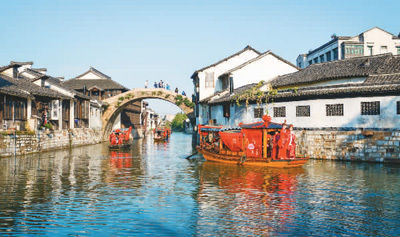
x: 283, y: 142
x: 120, y: 138
x: 275, y: 147
x: 291, y: 147
x: 113, y: 139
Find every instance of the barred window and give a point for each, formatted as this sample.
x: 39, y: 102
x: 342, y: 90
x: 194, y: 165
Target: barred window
x: 258, y: 112
x: 398, y: 107
x: 334, y: 110
x: 209, y: 82
x: 303, y: 111
x: 280, y: 111
x: 370, y: 108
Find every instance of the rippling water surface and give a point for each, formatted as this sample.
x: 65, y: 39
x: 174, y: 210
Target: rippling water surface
x: 153, y: 190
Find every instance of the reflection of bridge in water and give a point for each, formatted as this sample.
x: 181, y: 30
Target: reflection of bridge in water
x: 117, y: 103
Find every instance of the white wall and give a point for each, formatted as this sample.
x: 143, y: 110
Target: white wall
x: 220, y: 69
x: 378, y: 38
x: 265, y: 68
x: 352, y: 113
x: 95, y: 118
x: 90, y: 75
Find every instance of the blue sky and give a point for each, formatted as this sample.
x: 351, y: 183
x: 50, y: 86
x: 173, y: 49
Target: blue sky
x: 133, y: 41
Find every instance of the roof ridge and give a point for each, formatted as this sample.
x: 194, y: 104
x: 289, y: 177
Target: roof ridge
x: 248, y: 47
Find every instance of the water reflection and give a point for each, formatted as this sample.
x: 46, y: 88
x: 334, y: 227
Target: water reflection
x: 152, y: 190
x: 253, y: 200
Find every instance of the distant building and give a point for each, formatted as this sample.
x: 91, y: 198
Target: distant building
x: 371, y: 42
x: 100, y: 86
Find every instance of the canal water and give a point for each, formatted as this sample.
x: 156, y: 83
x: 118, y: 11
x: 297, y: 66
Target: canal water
x: 153, y: 190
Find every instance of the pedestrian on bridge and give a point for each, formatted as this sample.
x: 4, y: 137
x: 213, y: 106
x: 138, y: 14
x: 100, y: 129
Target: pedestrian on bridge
x: 167, y: 87
x: 155, y: 84
x: 176, y: 90
x: 146, y: 84
x: 183, y: 93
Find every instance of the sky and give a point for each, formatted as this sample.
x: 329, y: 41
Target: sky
x: 133, y: 41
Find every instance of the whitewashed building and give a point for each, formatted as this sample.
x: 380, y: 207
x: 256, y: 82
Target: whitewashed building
x: 263, y: 67
x: 353, y: 93
x: 371, y: 42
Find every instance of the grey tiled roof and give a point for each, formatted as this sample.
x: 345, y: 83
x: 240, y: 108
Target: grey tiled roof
x: 224, y: 96
x: 353, y: 67
x: 32, y: 88
x: 105, y: 84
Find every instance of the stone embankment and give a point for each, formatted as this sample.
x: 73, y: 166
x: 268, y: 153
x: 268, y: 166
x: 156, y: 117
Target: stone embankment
x: 21, y: 144
x: 354, y: 145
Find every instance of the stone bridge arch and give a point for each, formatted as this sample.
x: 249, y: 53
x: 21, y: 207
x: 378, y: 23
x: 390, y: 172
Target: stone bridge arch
x: 115, y: 104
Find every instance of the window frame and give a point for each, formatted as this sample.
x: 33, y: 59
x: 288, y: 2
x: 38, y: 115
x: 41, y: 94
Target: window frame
x: 299, y: 110
x: 367, y: 108
x: 258, y: 112
x: 333, y: 110
x: 279, y: 112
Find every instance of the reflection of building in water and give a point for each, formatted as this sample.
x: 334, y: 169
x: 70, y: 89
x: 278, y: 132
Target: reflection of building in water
x: 262, y: 200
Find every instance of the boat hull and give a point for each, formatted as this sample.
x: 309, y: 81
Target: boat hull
x: 237, y: 160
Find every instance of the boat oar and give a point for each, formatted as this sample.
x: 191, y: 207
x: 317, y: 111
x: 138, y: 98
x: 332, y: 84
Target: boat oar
x: 191, y: 155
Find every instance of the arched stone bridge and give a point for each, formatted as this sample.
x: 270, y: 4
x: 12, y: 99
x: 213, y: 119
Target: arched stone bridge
x: 117, y: 103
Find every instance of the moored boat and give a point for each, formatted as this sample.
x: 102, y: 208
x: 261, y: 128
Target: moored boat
x: 262, y: 143
x: 162, y: 134
x: 120, y: 139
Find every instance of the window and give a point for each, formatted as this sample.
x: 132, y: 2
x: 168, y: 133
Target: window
x: 398, y: 50
x: 321, y: 58
x: 300, y: 65
x: 383, y: 49
x: 209, y: 80
x: 398, y: 107
x: 8, y: 109
x: 227, y: 110
x: 334, y: 110
x: 370, y: 108
x: 328, y: 56
x: 280, y: 111
x: 370, y: 50
x: 303, y: 111
x: 354, y: 50
x: 258, y: 112
x: 316, y: 60
x: 335, y: 54
x: 310, y: 62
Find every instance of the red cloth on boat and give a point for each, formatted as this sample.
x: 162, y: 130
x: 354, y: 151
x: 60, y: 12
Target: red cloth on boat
x: 113, y: 139
x: 232, y: 140
x: 253, y: 142
x: 275, y: 147
x: 120, y: 138
x: 283, y: 143
x: 291, y: 146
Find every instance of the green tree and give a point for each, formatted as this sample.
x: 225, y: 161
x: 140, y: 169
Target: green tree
x: 177, y: 122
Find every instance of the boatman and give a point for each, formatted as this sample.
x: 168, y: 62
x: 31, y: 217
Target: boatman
x: 283, y: 142
x: 291, y: 147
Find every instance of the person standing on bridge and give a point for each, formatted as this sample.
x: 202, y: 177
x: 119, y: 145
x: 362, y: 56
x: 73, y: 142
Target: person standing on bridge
x: 155, y: 84
x: 183, y: 93
x: 146, y: 84
x: 176, y: 90
x: 167, y: 87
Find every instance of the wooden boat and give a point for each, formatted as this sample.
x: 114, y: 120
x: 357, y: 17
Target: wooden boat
x: 162, y: 134
x: 263, y: 143
x: 120, y: 139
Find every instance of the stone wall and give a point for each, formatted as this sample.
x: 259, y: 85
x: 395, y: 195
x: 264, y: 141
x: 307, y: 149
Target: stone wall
x: 356, y: 145
x: 45, y: 141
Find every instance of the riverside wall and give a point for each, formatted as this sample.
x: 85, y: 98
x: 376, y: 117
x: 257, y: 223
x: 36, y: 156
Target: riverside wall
x: 21, y: 144
x: 350, y: 145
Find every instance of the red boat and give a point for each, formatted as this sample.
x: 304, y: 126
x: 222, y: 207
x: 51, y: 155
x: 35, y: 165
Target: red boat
x: 262, y: 143
x: 162, y: 134
x: 120, y: 139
